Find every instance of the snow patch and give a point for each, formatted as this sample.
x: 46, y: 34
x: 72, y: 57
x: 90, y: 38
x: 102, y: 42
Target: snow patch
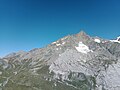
x: 83, y: 48
x: 63, y: 43
x: 55, y: 84
x: 58, y: 44
x: 59, y: 54
x: 97, y: 40
x: 64, y: 38
x: 0, y: 73
x: 117, y: 40
x: 54, y: 43
x: 104, y: 41
x: 15, y: 73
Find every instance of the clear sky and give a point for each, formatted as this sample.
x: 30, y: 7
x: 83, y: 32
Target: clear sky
x: 28, y: 24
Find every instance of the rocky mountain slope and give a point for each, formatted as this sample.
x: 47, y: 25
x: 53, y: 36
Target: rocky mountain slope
x: 74, y: 62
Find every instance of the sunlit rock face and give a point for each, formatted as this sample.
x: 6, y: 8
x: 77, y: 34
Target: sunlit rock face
x: 74, y: 62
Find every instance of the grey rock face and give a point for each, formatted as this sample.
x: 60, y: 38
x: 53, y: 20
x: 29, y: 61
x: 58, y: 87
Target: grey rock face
x: 74, y: 62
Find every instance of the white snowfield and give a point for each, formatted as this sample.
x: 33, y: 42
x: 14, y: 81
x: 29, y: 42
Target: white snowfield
x: 117, y: 40
x: 83, y: 48
x: 97, y: 40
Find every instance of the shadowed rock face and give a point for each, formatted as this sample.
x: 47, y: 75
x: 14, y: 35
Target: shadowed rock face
x: 74, y: 62
x: 119, y: 39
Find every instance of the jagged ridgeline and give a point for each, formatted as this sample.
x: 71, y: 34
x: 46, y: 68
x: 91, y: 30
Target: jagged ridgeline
x: 74, y: 62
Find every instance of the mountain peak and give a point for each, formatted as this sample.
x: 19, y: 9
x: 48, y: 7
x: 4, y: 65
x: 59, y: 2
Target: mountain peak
x: 82, y: 36
x: 82, y: 33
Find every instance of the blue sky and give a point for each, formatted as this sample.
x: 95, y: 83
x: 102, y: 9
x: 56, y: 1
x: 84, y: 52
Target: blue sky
x: 28, y: 24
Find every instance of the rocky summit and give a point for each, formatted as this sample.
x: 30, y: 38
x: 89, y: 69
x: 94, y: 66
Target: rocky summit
x: 74, y: 62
